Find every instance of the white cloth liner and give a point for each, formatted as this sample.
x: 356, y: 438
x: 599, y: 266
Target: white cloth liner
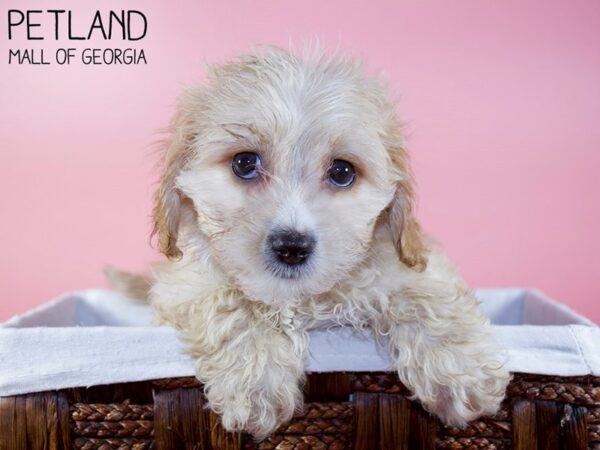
x: 97, y: 337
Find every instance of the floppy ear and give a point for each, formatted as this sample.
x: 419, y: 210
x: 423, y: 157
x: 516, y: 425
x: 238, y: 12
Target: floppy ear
x: 406, y: 232
x: 168, y: 200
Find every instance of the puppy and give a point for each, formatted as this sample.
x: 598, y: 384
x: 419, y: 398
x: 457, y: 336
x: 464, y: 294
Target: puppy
x: 286, y: 204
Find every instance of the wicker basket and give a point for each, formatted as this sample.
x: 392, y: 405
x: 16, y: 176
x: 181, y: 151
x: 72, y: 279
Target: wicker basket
x: 342, y: 411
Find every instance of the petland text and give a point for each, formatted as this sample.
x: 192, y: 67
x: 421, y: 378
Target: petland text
x: 63, y: 25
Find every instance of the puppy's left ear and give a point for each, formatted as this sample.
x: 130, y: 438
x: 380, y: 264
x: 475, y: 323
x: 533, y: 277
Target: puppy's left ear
x: 406, y: 232
x: 169, y: 202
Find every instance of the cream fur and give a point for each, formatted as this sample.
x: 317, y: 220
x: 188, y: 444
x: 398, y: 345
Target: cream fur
x: 246, y: 328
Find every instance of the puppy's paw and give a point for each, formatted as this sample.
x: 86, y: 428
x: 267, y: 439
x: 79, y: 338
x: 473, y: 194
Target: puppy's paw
x: 257, y: 408
x: 465, y: 398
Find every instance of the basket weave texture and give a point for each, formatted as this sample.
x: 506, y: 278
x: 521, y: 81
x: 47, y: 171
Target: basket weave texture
x: 341, y: 411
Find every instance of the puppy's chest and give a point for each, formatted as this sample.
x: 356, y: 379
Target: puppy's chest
x: 358, y: 309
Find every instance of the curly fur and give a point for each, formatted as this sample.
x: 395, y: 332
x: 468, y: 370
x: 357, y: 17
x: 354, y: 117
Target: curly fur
x: 247, y: 328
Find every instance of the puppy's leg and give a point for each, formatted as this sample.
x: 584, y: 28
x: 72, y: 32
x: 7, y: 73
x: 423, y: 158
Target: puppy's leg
x: 443, y: 351
x: 251, y: 367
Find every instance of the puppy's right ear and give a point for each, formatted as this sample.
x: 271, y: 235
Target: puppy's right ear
x: 405, y: 230
x: 168, y: 199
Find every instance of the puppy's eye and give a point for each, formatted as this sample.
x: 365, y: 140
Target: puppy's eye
x: 342, y: 173
x: 245, y: 165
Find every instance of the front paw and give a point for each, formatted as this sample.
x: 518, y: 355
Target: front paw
x: 251, y: 407
x: 463, y: 398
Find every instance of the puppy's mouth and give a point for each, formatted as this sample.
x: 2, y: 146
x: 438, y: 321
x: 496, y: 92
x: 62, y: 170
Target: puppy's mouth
x: 287, y: 272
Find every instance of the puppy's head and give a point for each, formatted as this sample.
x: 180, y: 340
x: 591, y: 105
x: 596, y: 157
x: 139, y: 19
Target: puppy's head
x: 280, y: 168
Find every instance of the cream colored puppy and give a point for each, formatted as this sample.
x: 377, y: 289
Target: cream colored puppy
x: 286, y: 204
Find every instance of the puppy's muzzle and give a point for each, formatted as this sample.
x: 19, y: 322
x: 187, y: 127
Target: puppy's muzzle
x: 291, y: 247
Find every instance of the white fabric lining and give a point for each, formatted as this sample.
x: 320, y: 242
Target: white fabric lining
x: 97, y: 337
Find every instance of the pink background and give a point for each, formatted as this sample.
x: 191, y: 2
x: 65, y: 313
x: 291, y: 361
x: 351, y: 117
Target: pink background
x: 502, y: 101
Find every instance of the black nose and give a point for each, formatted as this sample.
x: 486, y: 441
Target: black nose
x: 292, y: 247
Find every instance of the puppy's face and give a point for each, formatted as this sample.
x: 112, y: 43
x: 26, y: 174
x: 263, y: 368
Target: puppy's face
x: 286, y: 166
